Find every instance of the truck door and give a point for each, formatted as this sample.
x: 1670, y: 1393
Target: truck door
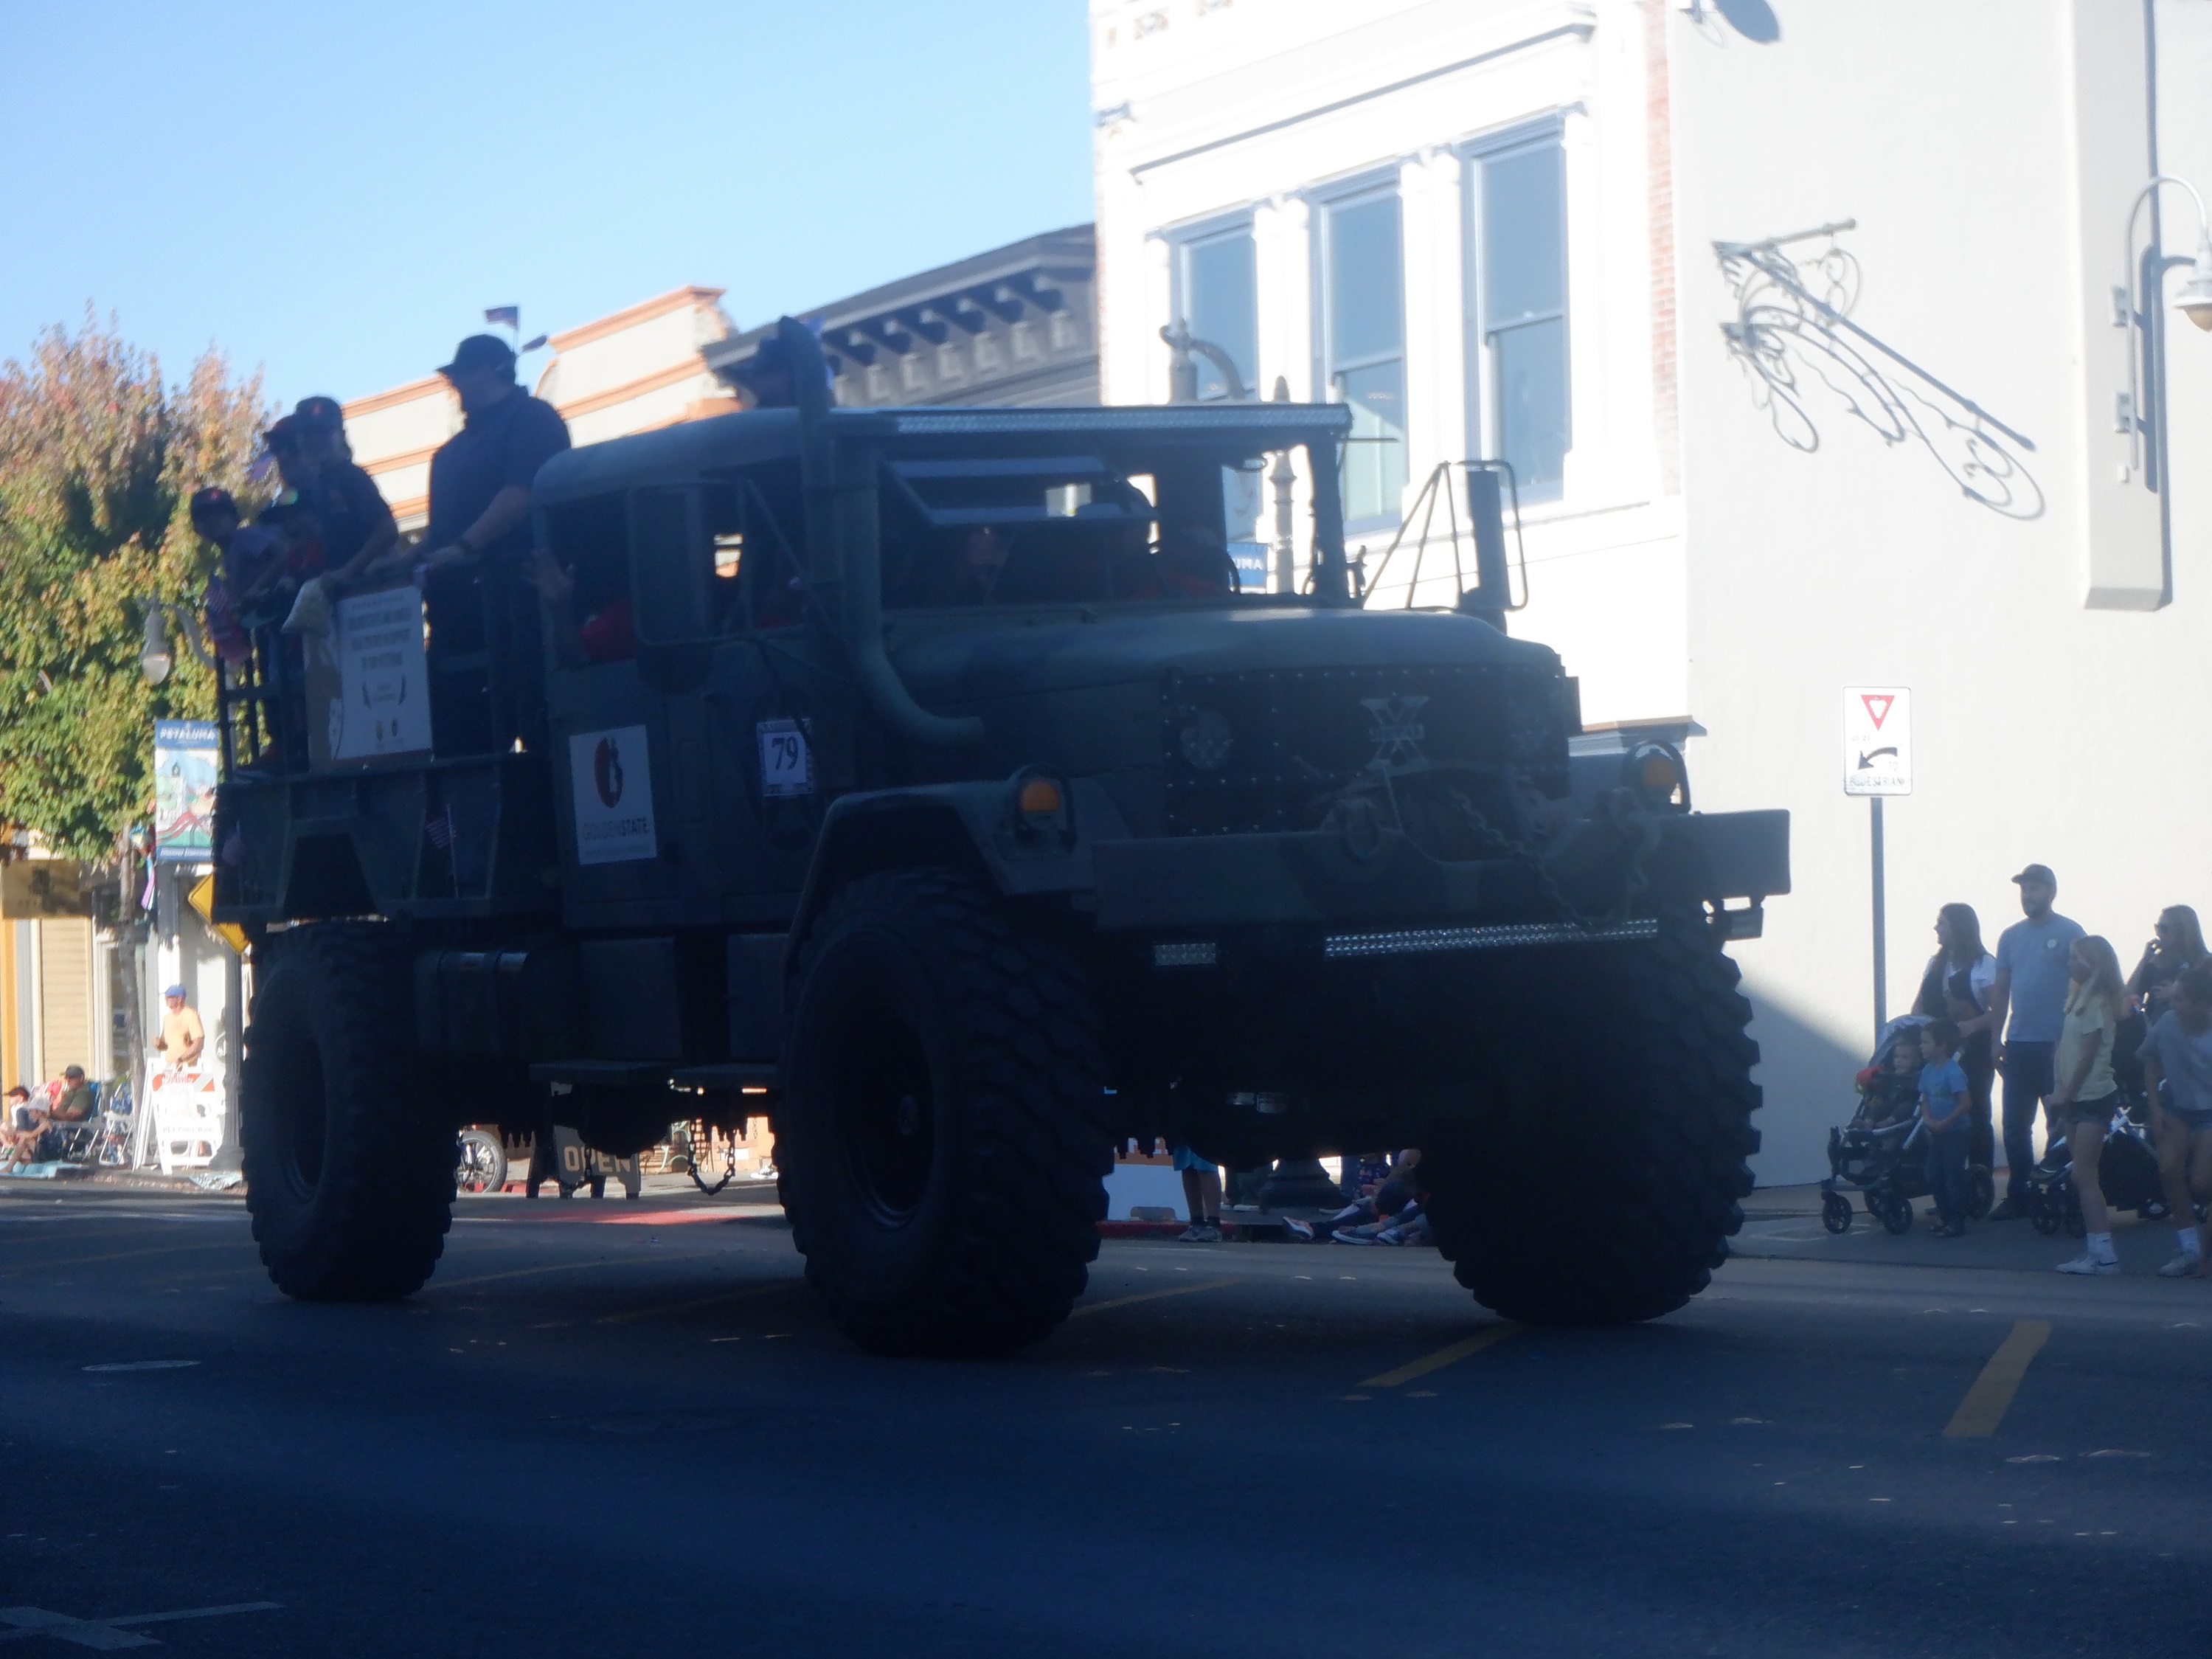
x: 777, y: 708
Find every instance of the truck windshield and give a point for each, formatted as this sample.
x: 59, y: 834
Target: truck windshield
x: 1074, y: 528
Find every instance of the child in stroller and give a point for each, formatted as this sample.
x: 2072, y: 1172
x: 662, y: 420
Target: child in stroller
x: 1882, y: 1152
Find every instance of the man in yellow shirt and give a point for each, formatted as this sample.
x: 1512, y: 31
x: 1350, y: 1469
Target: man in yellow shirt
x: 182, y: 1036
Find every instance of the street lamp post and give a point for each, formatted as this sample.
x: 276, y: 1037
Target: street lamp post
x: 156, y: 659
x: 156, y: 655
x: 1284, y: 479
x: 2142, y: 415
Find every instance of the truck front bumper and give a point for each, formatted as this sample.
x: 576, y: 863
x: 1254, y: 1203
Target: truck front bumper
x: 1176, y: 885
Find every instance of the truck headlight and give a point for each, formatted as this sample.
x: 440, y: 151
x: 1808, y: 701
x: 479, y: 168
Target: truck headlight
x: 1656, y: 773
x: 1206, y: 740
x: 1040, y: 804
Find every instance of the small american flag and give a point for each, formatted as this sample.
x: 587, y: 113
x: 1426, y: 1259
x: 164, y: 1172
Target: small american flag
x: 511, y: 315
x: 441, y: 829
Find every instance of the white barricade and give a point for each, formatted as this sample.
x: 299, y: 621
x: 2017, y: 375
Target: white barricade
x: 187, y: 1107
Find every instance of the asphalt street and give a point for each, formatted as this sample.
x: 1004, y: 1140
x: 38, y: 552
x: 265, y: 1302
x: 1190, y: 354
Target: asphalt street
x: 624, y: 1428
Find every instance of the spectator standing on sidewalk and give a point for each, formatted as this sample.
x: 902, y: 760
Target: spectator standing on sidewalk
x: 1946, y: 1113
x: 2177, y: 945
x: 2082, y: 1104
x: 1956, y: 987
x: 1201, y: 1194
x: 183, y: 1036
x: 2030, y: 986
x: 2178, y: 1053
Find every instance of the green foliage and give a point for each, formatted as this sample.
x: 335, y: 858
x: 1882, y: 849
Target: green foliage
x: 98, y: 462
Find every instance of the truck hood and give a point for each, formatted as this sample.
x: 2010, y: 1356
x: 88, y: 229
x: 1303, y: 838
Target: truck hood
x: 965, y: 663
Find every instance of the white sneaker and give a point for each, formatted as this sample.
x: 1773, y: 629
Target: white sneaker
x: 2086, y: 1263
x: 2181, y: 1266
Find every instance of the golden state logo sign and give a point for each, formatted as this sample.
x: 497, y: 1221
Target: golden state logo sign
x: 611, y: 784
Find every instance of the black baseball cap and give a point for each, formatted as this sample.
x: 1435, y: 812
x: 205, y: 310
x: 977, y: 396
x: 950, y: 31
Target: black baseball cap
x: 479, y: 351
x: 2039, y: 873
x: 213, y: 499
x: 322, y: 414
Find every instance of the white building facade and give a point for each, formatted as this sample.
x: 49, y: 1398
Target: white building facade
x: 1751, y: 472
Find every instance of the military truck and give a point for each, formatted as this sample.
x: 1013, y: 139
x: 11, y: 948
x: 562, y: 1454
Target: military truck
x: 952, y: 807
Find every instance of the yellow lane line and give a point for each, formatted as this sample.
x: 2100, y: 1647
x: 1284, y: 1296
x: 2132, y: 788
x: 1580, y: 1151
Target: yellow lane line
x: 643, y: 1258
x: 1443, y: 1357
x: 1987, y: 1401
x: 1151, y: 1296
x: 745, y: 1294
x: 67, y: 1262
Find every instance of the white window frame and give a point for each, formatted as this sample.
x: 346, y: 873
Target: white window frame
x: 1180, y: 244
x: 1484, y: 424
x: 1323, y: 205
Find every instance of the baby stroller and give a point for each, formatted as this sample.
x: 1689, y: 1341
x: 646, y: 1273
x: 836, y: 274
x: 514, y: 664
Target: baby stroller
x: 1882, y: 1151
x: 2128, y: 1168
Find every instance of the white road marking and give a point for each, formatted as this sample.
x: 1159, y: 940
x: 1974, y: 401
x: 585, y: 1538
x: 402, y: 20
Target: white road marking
x: 108, y: 1634
x: 145, y: 1365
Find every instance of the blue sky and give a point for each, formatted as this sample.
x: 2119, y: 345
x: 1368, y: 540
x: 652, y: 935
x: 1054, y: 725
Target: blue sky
x: 335, y: 193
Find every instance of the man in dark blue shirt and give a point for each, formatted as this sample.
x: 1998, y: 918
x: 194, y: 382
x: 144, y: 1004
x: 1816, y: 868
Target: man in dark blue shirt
x: 359, y: 533
x: 480, y: 478
x: 478, y: 544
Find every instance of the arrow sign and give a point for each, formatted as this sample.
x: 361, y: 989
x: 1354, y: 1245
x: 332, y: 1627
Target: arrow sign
x: 1877, y: 740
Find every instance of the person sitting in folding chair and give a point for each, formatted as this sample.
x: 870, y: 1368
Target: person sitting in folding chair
x: 73, y: 1121
x: 24, y: 1128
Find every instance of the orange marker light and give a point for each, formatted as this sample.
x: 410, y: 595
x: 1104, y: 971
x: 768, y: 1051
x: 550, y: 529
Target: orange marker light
x: 1041, y: 796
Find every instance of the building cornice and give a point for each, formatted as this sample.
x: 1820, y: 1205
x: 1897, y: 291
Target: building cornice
x: 644, y: 311
x: 1578, y: 30
x: 657, y: 381
x: 405, y: 458
x: 398, y: 394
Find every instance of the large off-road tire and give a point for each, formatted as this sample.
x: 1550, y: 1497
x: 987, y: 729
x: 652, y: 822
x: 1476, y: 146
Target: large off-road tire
x: 1605, y: 1187
x: 349, y: 1178
x: 942, y: 1142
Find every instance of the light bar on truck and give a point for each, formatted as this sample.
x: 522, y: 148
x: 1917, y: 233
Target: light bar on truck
x: 1185, y: 953
x: 1423, y: 941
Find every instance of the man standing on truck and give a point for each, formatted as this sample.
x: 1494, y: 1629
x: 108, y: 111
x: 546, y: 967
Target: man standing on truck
x: 480, y: 478
x: 359, y: 533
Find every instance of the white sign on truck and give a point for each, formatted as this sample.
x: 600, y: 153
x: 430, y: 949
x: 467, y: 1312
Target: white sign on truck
x: 383, y: 706
x: 1877, y: 740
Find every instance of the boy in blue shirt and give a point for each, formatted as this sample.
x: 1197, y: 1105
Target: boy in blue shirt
x: 1943, y: 1112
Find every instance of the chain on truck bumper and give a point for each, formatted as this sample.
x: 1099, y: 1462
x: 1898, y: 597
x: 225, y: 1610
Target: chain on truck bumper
x: 1186, y: 884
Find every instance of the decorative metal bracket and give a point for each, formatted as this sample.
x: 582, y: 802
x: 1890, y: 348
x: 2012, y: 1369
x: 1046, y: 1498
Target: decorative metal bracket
x: 1782, y: 327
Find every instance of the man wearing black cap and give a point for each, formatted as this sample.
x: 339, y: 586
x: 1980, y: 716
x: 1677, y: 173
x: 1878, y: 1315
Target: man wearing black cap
x: 357, y: 526
x: 480, y: 478
x: 2031, y: 984
x: 766, y: 375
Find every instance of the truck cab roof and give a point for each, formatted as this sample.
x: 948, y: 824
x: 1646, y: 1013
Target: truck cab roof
x: 702, y: 449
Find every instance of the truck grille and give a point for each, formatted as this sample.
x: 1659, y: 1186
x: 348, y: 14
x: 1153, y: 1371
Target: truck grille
x: 1291, y: 740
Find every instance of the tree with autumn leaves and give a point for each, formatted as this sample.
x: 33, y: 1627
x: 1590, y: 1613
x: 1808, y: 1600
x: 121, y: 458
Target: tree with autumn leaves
x: 99, y: 458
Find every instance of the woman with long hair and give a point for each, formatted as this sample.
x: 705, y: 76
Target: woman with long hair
x: 1955, y: 986
x: 2081, y: 1107
x: 2177, y: 945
